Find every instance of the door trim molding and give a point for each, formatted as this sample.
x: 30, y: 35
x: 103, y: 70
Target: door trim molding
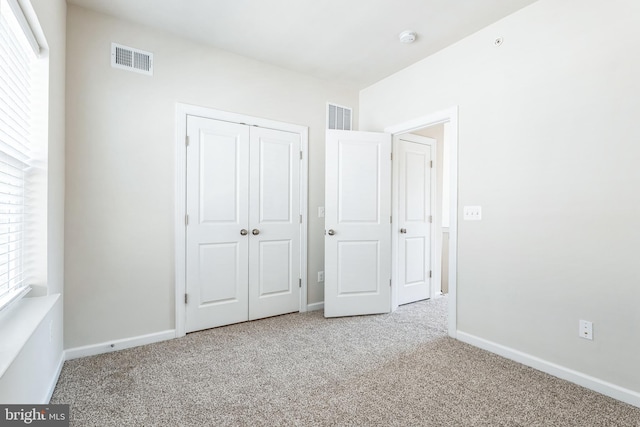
x: 450, y: 116
x: 184, y: 110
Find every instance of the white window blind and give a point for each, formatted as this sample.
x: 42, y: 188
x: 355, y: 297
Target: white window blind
x: 16, y: 59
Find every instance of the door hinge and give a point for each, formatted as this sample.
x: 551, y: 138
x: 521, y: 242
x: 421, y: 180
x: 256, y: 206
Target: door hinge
x: 430, y: 218
x: 186, y: 140
x: 300, y: 282
x: 301, y: 155
x: 430, y: 273
x: 431, y: 164
x: 390, y: 219
x: 389, y: 282
x: 300, y: 218
x: 391, y: 156
x: 186, y: 220
x: 186, y: 298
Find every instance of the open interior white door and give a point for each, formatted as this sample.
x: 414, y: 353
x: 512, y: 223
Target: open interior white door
x: 357, y: 223
x: 414, y: 155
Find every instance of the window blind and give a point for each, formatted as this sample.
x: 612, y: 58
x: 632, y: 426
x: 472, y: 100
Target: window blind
x: 16, y: 59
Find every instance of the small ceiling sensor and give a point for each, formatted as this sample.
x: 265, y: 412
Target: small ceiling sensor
x: 407, y: 37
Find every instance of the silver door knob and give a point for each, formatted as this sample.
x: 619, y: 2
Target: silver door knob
x: 331, y: 232
x: 403, y: 230
x: 255, y: 231
x: 244, y: 232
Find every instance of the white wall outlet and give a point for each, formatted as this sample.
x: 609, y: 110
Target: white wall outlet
x: 472, y: 213
x: 320, y: 211
x: 586, y: 330
x: 320, y: 276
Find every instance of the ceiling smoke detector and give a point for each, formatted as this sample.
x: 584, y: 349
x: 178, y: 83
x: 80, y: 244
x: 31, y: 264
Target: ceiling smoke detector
x: 407, y: 37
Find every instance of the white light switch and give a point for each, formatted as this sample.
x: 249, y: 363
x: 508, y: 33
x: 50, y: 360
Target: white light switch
x: 472, y: 213
x: 321, y: 212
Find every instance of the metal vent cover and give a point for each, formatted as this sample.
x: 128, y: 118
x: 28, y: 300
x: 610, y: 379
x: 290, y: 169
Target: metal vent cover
x: 338, y: 117
x: 129, y: 58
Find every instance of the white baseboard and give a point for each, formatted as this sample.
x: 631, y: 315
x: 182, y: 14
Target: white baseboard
x: 54, y: 379
x: 592, y: 383
x: 109, y: 346
x: 315, y: 306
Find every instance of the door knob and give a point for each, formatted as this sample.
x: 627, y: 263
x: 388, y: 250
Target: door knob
x: 331, y: 232
x: 403, y: 230
x: 255, y: 231
x: 244, y: 232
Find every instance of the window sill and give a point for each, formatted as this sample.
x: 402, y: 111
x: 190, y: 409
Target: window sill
x: 17, y: 324
x: 13, y: 296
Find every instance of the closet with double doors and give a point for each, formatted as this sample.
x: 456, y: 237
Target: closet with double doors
x: 243, y: 222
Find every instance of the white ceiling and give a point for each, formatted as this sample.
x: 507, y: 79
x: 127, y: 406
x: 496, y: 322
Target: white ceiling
x: 353, y: 42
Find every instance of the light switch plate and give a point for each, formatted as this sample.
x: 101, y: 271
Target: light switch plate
x: 321, y: 212
x: 472, y: 213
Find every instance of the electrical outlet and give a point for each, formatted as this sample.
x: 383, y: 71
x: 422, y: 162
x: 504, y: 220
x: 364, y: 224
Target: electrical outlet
x: 320, y: 276
x: 586, y: 330
x: 472, y: 213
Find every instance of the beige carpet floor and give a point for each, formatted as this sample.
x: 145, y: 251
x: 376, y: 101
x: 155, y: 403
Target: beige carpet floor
x: 398, y: 369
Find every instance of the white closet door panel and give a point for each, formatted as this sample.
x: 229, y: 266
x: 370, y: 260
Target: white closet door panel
x: 220, y: 168
x: 274, y: 276
x: 274, y: 251
x: 218, y: 278
x: 217, y: 205
x: 276, y: 186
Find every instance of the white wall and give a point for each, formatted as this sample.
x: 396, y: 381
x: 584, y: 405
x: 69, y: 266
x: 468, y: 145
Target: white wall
x: 119, y: 260
x: 548, y: 146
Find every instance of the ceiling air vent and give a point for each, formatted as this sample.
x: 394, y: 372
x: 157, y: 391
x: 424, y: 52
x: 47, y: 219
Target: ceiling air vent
x: 338, y: 117
x: 128, y: 58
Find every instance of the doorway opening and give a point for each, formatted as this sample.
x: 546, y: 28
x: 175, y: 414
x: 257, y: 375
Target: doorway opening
x: 442, y: 126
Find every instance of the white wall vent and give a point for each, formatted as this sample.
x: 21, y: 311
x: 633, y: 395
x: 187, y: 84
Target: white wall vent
x: 338, y: 117
x: 128, y: 58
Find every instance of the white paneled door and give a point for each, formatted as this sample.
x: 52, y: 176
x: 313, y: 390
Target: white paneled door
x: 218, y: 212
x: 414, y: 225
x: 243, y: 224
x: 357, y: 223
x: 274, y: 219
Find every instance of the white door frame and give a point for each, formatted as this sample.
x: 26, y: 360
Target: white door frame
x: 395, y: 208
x: 184, y: 110
x: 449, y: 116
